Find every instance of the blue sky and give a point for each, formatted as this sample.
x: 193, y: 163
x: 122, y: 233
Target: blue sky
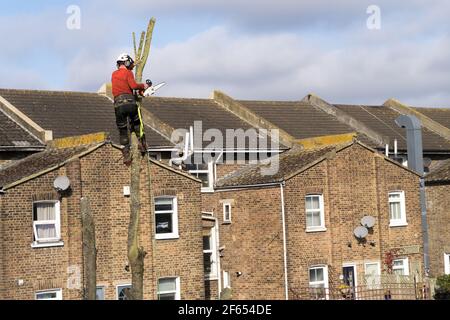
x: 278, y: 50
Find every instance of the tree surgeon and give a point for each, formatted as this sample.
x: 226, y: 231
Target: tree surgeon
x: 125, y: 107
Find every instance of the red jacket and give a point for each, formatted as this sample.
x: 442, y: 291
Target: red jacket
x: 123, y: 82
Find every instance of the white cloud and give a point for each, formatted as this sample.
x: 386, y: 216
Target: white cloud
x: 406, y: 59
x: 284, y: 66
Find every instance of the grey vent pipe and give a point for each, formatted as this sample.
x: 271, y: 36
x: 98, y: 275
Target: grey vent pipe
x: 415, y: 162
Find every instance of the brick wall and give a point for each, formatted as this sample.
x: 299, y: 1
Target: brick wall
x: 354, y: 183
x: 252, y: 242
x: 438, y: 213
x: 100, y: 176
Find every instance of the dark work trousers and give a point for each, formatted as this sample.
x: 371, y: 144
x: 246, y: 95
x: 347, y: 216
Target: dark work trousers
x: 126, y: 110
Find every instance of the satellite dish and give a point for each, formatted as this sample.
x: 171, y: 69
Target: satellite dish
x: 61, y: 183
x: 368, y: 221
x: 360, y: 232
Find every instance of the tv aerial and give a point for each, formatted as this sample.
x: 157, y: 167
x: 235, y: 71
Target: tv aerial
x: 61, y: 183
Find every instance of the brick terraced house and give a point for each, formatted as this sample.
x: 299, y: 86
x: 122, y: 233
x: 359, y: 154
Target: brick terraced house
x: 438, y: 205
x: 41, y: 247
x: 32, y: 119
x: 283, y: 234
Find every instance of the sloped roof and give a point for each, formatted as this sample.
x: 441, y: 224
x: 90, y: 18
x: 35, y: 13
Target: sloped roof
x: 180, y: 113
x: 440, y: 115
x: 53, y: 158
x: 382, y: 120
x: 14, y: 136
x: 72, y: 113
x: 439, y: 173
x: 41, y: 161
x: 300, y: 119
x: 289, y: 162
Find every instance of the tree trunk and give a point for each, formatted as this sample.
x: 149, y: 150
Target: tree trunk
x: 89, y: 250
x: 136, y: 254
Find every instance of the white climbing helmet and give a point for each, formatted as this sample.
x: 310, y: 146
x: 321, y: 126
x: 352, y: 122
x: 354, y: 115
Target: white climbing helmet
x: 123, y: 57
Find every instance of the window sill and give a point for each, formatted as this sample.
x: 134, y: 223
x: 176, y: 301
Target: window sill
x: 166, y: 236
x: 319, y: 229
x: 398, y: 224
x: 226, y: 222
x: 46, y: 245
x: 207, y: 190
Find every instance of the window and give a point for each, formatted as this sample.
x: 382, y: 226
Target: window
x: 55, y: 294
x: 46, y: 222
x: 155, y: 155
x: 166, y: 218
x: 210, y: 253
x: 122, y: 290
x: 315, y: 220
x: 318, y: 282
x: 169, y: 289
x: 447, y: 263
x: 397, y: 212
x: 227, y: 212
x: 100, y: 293
x: 203, y: 172
x: 372, y: 272
x: 226, y: 279
x: 401, y: 267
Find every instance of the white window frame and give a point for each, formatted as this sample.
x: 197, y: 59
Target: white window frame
x: 325, y: 279
x: 57, y: 291
x: 225, y: 218
x: 104, y: 292
x: 376, y: 284
x: 210, y: 172
x: 405, y: 266
x: 177, y: 288
x: 174, y: 234
x: 321, y: 227
x: 213, y: 275
x: 226, y: 279
x: 121, y: 285
x: 402, y: 221
x: 56, y: 241
x: 447, y: 263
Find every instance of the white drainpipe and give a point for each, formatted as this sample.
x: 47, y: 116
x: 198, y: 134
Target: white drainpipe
x: 186, y: 152
x: 286, y: 291
x: 219, y: 272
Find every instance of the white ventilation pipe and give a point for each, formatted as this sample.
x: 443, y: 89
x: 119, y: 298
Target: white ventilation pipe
x: 186, y: 152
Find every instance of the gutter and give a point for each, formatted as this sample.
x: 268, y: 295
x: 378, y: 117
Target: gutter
x: 261, y: 185
x: 283, y: 219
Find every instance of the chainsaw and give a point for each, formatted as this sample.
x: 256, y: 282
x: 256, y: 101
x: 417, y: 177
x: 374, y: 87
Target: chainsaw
x: 152, y: 88
x: 147, y: 93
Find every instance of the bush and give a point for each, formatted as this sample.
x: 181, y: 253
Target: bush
x: 442, y: 291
